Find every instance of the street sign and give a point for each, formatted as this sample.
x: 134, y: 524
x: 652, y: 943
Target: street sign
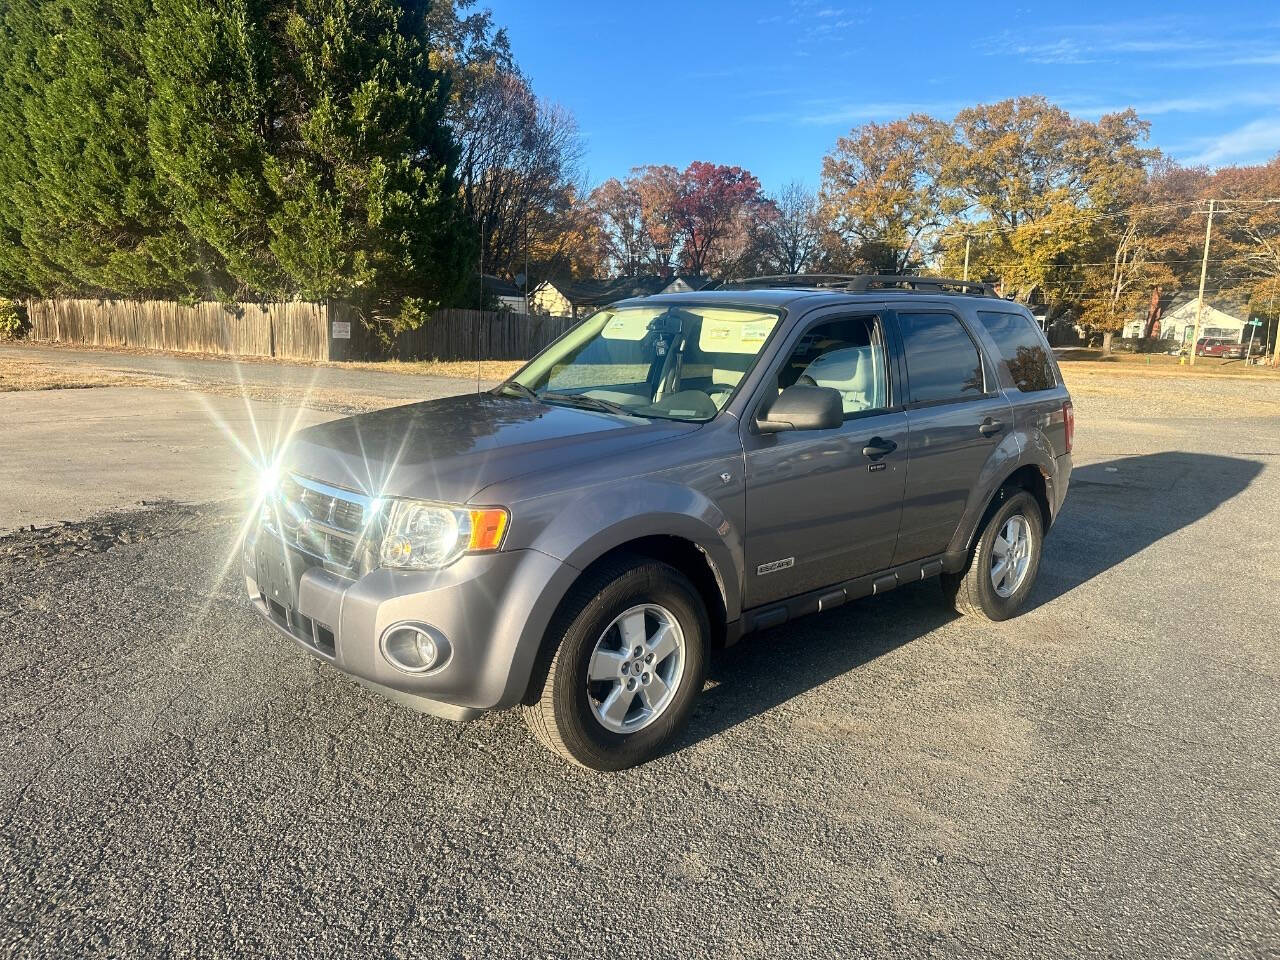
x: 1254, y: 323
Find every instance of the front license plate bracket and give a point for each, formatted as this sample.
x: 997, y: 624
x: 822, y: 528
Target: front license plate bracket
x: 279, y: 570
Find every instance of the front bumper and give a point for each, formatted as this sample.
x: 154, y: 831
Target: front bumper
x: 493, y: 609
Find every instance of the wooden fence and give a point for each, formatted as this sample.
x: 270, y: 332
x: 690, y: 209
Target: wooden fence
x: 292, y: 331
x: 453, y: 335
x: 295, y: 331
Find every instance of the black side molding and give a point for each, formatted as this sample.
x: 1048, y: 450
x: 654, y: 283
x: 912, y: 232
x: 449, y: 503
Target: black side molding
x: 828, y: 598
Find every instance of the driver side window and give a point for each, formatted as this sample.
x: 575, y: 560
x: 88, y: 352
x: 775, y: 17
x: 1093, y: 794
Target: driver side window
x: 846, y: 355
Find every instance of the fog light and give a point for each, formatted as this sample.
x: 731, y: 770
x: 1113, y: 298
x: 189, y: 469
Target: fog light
x: 414, y: 647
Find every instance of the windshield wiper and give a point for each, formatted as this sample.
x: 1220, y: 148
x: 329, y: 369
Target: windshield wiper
x: 582, y: 400
x: 519, y: 388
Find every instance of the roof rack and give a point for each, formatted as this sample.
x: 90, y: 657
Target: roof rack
x: 794, y: 280
x: 862, y: 282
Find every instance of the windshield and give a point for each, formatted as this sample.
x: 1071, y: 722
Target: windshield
x: 676, y: 362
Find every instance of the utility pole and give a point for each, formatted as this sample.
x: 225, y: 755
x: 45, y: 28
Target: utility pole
x: 1204, y: 270
x: 966, y: 256
x: 1275, y: 337
x: 480, y: 312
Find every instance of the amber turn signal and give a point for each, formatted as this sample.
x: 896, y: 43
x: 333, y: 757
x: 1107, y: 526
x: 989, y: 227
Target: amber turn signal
x: 487, y: 527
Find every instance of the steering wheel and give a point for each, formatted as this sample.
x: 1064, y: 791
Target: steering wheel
x: 695, y: 401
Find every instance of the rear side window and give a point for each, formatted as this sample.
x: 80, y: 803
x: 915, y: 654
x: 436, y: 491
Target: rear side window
x: 1022, y: 349
x: 942, y: 362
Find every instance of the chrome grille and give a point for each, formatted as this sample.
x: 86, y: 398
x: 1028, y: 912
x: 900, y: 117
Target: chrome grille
x: 348, y: 515
x: 325, y: 522
x: 329, y: 508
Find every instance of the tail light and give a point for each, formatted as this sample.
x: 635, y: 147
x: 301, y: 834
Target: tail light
x: 1069, y: 423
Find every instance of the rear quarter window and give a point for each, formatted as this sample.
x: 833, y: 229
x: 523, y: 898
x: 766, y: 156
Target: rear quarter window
x: 1022, y: 350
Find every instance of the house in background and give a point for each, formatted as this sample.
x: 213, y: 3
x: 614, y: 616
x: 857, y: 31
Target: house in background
x: 687, y: 283
x: 510, y: 298
x: 570, y: 299
x: 1179, y: 323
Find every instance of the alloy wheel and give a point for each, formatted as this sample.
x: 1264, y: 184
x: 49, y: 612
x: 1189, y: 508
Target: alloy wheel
x: 636, y: 668
x: 1011, y: 555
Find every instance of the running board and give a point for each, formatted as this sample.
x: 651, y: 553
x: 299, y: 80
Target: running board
x: 828, y: 598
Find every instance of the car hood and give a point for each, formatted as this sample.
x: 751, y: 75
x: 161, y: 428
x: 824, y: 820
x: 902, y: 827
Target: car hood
x: 453, y: 448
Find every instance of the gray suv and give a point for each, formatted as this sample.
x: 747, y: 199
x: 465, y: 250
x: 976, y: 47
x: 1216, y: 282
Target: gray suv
x: 671, y: 474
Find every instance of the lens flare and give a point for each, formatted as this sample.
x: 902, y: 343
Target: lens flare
x: 260, y: 443
x: 269, y: 482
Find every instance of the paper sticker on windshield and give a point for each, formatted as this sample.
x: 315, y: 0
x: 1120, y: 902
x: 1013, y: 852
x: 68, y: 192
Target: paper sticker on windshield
x: 726, y: 333
x: 628, y: 325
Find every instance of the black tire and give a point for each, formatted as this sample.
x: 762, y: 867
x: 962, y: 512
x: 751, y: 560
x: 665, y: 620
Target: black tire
x: 557, y: 708
x: 971, y: 591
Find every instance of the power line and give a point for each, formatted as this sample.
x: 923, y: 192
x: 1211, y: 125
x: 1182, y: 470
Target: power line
x: 1107, y: 263
x: 996, y: 228
x: 991, y: 227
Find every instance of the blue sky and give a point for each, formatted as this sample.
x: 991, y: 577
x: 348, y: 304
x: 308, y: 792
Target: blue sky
x: 770, y: 86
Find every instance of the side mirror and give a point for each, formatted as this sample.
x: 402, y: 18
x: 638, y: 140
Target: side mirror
x: 802, y: 407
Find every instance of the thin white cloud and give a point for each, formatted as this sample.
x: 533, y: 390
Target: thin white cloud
x: 1174, y: 41
x: 1259, y: 59
x: 833, y: 113
x: 1253, y: 142
x: 1200, y: 103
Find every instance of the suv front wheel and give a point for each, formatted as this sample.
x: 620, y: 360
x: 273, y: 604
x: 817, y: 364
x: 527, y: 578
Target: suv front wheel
x: 1004, y: 562
x: 624, y: 661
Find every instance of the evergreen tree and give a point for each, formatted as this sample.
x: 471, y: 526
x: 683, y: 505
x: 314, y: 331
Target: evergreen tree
x: 304, y: 140
x: 84, y: 202
x: 22, y: 272
x: 228, y: 148
x: 209, y: 66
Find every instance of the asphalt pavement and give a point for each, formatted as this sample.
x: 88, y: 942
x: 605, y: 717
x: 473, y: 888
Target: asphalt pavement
x: 1096, y: 777
x: 71, y: 454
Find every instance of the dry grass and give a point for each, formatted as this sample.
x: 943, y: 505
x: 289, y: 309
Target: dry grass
x: 1138, y: 394
x: 1159, y: 365
x: 16, y: 374
x: 460, y: 369
x: 1145, y: 386
x: 23, y: 374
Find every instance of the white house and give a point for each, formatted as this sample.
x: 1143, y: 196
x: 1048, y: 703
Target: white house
x: 1179, y: 324
x: 509, y: 297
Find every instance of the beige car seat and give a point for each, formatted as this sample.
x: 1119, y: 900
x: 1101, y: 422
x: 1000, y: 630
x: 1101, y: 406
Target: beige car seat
x: 856, y: 372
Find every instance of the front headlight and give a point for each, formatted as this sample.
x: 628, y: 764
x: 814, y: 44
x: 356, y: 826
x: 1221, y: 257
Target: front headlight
x: 427, y: 536
x: 270, y: 476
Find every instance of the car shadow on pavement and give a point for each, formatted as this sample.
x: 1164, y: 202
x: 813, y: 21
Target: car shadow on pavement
x: 1117, y: 508
x: 1114, y: 510
x: 771, y: 667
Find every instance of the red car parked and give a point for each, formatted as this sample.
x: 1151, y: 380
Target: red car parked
x: 1219, y: 347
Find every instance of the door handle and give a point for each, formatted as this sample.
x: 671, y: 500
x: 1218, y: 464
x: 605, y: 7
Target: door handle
x: 878, y: 447
x: 990, y: 427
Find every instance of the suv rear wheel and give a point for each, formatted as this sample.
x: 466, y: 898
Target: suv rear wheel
x: 1004, y: 562
x: 624, y: 661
